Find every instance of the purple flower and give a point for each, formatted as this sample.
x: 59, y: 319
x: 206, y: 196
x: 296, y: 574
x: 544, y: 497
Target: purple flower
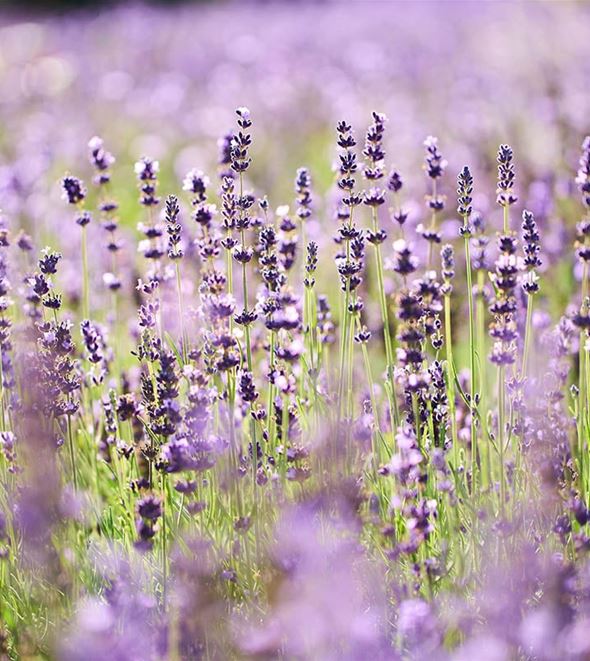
x: 505, y: 194
x: 464, y: 195
x: 101, y: 159
x: 74, y: 190
x: 583, y: 175
x: 434, y: 163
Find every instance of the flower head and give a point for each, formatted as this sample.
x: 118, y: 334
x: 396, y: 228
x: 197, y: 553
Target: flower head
x: 74, y: 190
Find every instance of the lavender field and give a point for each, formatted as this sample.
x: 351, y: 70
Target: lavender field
x: 295, y: 332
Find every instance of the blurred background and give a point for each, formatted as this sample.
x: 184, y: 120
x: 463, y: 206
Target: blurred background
x: 163, y: 79
x: 55, y: 6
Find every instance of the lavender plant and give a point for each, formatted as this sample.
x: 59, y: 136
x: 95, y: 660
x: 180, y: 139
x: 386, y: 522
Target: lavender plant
x: 236, y: 433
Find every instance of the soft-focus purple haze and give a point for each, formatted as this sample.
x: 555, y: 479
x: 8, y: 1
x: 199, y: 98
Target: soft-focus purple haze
x: 165, y: 83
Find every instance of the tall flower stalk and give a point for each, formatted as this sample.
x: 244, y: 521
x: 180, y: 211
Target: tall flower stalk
x: 176, y: 253
x: 480, y: 266
x: 464, y: 209
x: 229, y: 210
x: 273, y: 278
x: 146, y: 171
x: 309, y: 266
x: 75, y: 192
x: 240, y: 162
x: 503, y: 329
x: 243, y: 253
x: 530, y: 284
x: 311, y: 319
x: 102, y: 161
x: 374, y: 198
x: 348, y: 268
x: 435, y: 166
x: 447, y: 258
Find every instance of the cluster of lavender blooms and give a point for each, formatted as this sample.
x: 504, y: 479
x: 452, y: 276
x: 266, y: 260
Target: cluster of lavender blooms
x: 270, y: 444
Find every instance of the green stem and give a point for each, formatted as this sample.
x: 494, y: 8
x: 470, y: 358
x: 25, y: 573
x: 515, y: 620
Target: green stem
x: 451, y: 371
x: 501, y: 423
x: 72, y: 455
x: 270, y: 407
x: 416, y: 411
x: 343, y: 344
x: 164, y: 534
x: 482, y: 364
x: 349, y: 397
x: 85, y: 283
x: 230, y: 271
x: 527, y: 335
x: 389, y: 344
x: 432, y: 226
x: 472, y: 348
x: 184, y: 340
x: 367, y: 362
x: 234, y: 454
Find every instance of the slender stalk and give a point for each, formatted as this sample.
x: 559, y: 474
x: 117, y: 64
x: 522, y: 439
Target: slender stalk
x: 231, y: 393
x: 370, y: 380
x: 344, y: 343
x: 184, y: 339
x: 310, y: 339
x: 417, y: 425
x: 284, y: 432
x: 72, y: 453
x: 247, y: 326
x: 253, y: 441
x: 271, y: 394
x: 85, y: 278
x: 501, y: 400
x: 450, y: 369
x: 158, y: 292
x: 152, y: 445
x: 245, y: 281
x: 350, y: 362
x: 389, y: 344
x: 432, y: 226
x: 234, y: 454
x: 164, y: 535
x: 472, y: 349
x: 501, y: 424
x: 527, y: 335
x: 482, y: 372
x: 230, y: 271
